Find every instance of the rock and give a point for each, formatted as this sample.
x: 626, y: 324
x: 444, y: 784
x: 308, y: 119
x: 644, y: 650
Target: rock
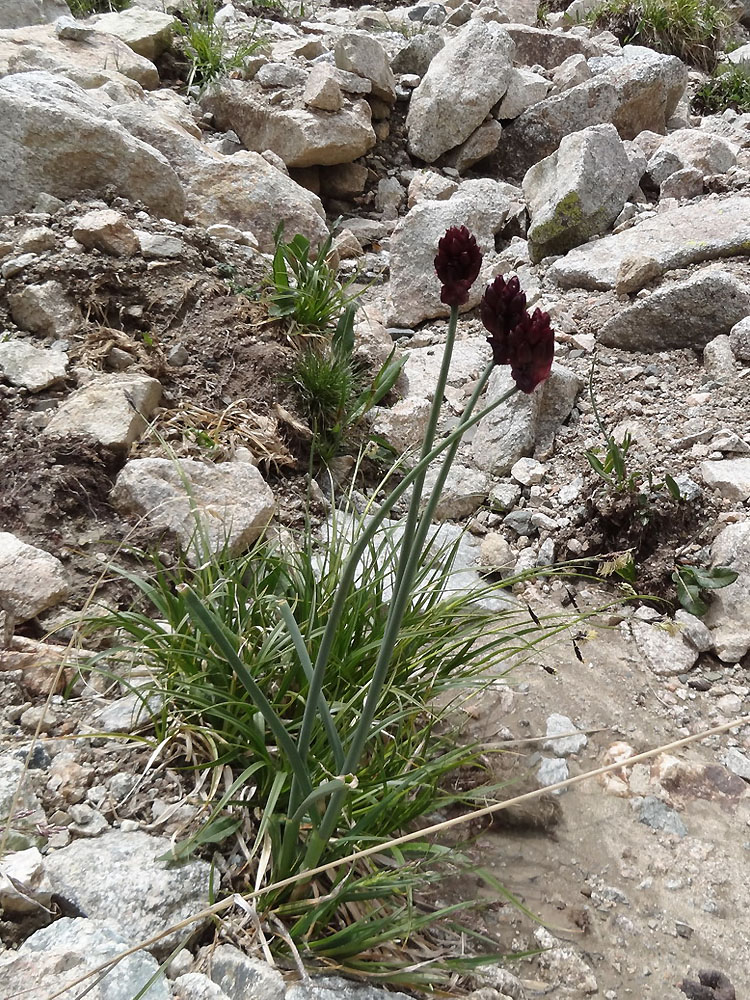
x: 362, y: 54
x: 230, y: 501
x: 196, y: 986
x: 665, y: 653
x: 578, y: 191
x: 505, y: 495
x: 694, y: 630
x: 552, y: 770
x: 730, y: 477
x: 322, y: 89
x: 655, y: 813
x: 481, y: 205
x: 563, y: 967
x: 29, y: 367
x: 275, y: 74
x: 416, y: 56
x: 571, y: 72
x: 302, y: 137
x: 737, y: 763
x: 682, y: 184
x: 243, y: 190
x: 389, y: 197
x: 24, y: 867
x: 31, y: 580
x: 337, y: 988
x: 495, y: 554
x: 28, y: 813
x: 108, y: 231
x: 562, y: 738
x: 141, y: 894
x: 465, y: 490
x: 525, y: 88
x: 112, y: 409
x: 443, y: 113
x: 45, y: 309
x: 102, y: 58
x: 541, y: 47
x: 48, y: 121
x: 403, y: 424
x: 240, y: 976
x: 649, y: 86
x: 19, y: 13
x: 125, y: 715
x: 147, y: 32
x: 538, y: 131
x: 528, y: 472
x: 157, y: 246
x: 428, y: 185
x: 739, y: 339
x: 718, y: 359
x: 674, y: 239
x: 684, y: 314
x: 57, y: 955
x: 478, y: 146
x: 691, y: 147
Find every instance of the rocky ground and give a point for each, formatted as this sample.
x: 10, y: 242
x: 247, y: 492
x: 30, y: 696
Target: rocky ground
x: 137, y: 221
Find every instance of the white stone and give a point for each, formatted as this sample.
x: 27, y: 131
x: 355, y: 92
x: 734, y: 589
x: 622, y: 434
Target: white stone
x: 465, y: 490
x: 571, y: 72
x: 443, y: 113
x: 196, y: 986
x: 691, y: 147
x: 694, y: 630
x: 736, y: 762
x: 528, y: 472
x: 525, y: 88
x: 578, y: 191
x: 45, y: 309
x: 360, y: 53
x: 30, y: 367
x: 730, y: 477
x: 106, y: 230
x: 664, y: 653
x: 739, y: 339
x: 238, y: 975
x: 495, y: 554
x: 24, y: 867
x: 18, y: 13
x: 204, y: 506
x: 112, y: 409
x: 31, y: 580
x: 562, y: 736
x: 322, y: 89
x: 147, y: 32
x: 428, y: 185
x: 159, y: 246
x: 552, y: 770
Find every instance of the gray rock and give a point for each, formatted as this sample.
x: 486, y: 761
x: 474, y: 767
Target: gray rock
x: 691, y: 147
x: 552, y: 770
x: 572, y: 71
x: 525, y: 88
x: 428, y: 185
x: 31, y: 580
x: 274, y: 74
x: 112, y: 409
x: 739, y: 339
x: 504, y: 495
x: 418, y: 53
x: 322, y: 89
x: 29, y: 367
x: 559, y: 739
x: 240, y: 976
x: 694, y: 630
x: 19, y: 13
x: 736, y: 762
x: 28, y: 814
x: 655, y: 813
x: 685, y: 314
x: 718, y: 359
x: 196, y: 986
x: 147, y: 32
x: 59, y: 954
x: 563, y: 967
x: 495, y: 554
x: 683, y: 184
x: 578, y: 191
x: 542, y: 47
x: 528, y: 472
x: 478, y: 146
x: 728, y: 615
x: 202, y: 505
x: 336, y: 988
x: 106, y: 230
x: 664, y: 653
x: 443, y: 114
x: 674, y: 239
x: 481, y: 205
x: 362, y: 54
x: 45, y: 309
x: 141, y: 895
x: 49, y: 120
x: 464, y: 492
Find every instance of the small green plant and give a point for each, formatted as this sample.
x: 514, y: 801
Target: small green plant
x: 694, y: 30
x: 306, y: 289
x: 333, y: 388
x: 728, y: 87
x: 83, y: 8
x: 691, y: 581
x: 205, y: 44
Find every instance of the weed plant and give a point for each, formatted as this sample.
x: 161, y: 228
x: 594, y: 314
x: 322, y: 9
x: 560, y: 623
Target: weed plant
x: 83, y: 8
x: 205, y: 44
x: 694, y: 30
x: 728, y: 87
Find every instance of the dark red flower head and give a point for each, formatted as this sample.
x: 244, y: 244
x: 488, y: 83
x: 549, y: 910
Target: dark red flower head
x: 457, y: 265
x: 531, y: 349
x: 503, y: 305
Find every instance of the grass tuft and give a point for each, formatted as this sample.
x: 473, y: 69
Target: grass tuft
x: 728, y: 87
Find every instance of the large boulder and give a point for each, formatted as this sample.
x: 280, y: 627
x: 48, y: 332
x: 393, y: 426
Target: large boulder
x: 675, y: 238
x: 89, y: 63
x: 684, y: 314
x: 577, y: 192
x: 464, y: 81
x: 56, y: 139
x: 243, y: 190
x: 18, y: 13
x: 482, y: 205
x: 301, y: 136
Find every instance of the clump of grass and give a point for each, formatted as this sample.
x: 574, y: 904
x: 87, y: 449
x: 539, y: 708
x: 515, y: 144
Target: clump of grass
x: 83, y: 8
x: 728, y: 87
x: 205, y: 44
x: 694, y: 30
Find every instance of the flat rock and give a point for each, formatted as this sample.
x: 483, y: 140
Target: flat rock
x: 112, y: 409
x: 684, y: 314
x: 541, y: 47
x: 578, y: 191
x: 675, y: 238
x: 728, y: 615
x: 140, y: 895
x: 231, y: 501
x: 338, y: 988
x: 443, y: 114
x: 60, y: 954
x: 49, y: 121
x: 147, y: 32
x: 730, y: 477
x: 31, y: 580
x: 664, y: 653
x: 562, y: 736
x: 102, y: 58
x: 464, y: 491
x: 30, y: 367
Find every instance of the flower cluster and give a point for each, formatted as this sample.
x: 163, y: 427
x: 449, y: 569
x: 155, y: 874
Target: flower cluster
x: 525, y: 342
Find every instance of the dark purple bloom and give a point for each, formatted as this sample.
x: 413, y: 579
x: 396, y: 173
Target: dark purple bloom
x: 531, y: 349
x: 457, y: 265
x: 503, y: 305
